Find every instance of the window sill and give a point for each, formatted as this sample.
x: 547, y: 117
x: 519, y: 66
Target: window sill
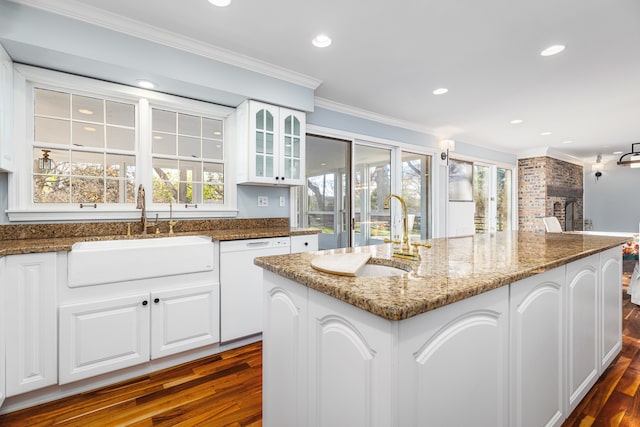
x: 90, y: 214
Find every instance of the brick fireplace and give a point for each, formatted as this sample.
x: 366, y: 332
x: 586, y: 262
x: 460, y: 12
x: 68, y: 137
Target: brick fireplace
x: 549, y: 187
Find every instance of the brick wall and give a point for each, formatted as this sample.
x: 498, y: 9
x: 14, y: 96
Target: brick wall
x: 545, y: 186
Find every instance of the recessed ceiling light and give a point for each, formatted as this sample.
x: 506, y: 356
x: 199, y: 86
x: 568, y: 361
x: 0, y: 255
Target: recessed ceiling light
x: 85, y: 111
x: 89, y: 129
x: 617, y: 152
x: 321, y: 40
x: 157, y: 137
x: 516, y: 121
x: 323, y: 164
x: 545, y: 133
x: 217, y: 132
x: 567, y: 142
x: 440, y: 91
x: 145, y: 84
x: 220, y: 3
x: 553, y: 50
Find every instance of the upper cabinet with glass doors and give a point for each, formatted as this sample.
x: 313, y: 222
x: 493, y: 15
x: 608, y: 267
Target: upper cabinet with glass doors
x: 271, y: 142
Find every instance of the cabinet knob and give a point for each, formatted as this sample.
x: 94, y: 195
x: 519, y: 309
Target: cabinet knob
x: 277, y: 178
x: 145, y: 302
x: 282, y: 178
x: 306, y: 243
x: 156, y: 300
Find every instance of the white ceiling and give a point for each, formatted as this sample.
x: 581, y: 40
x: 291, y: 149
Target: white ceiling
x: 388, y: 57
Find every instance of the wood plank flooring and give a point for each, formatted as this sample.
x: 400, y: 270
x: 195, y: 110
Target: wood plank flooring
x: 226, y: 390
x: 220, y: 390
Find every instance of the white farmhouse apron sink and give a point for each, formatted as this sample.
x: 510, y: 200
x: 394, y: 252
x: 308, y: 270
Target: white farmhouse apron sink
x: 109, y: 261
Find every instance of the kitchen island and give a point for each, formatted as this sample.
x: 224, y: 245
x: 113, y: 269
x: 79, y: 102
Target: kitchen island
x: 503, y: 329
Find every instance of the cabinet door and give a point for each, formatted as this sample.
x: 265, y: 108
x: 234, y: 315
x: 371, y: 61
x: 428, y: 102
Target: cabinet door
x: 611, y: 306
x: 6, y: 110
x: 453, y: 364
x: 305, y: 243
x: 536, y: 362
x: 582, y: 328
x: 103, y: 336
x: 263, y: 136
x: 350, y: 359
x: 292, y: 144
x: 183, y: 319
x: 3, y: 310
x: 31, y: 335
x: 284, y: 352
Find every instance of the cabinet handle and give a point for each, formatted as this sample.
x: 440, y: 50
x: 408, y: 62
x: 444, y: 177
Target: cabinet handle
x: 306, y: 243
x: 145, y: 302
x: 156, y: 300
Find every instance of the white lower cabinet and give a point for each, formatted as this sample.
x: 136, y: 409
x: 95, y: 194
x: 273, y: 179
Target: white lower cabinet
x: 582, y: 328
x: 611, y: 306
x: 537, y: 352
x: 31, y: 322
x: 102, y: 336
x: 453, y: 364
x: 304, y: 243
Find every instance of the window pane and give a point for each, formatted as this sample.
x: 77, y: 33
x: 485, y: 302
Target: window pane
x: 88, y: 135
x: 52, y: 103
x: 165, y: 180
x: 188, y: 125
x: 59, y: 162
x: 212, y: 149
x: 287, y: 125
x: 213, y: 173
x: 51, y: 189
x: 415, y: 187
x: 189, y: 147
x: 166, y: 169
x: 120, y: 191
x: 87, y: 190
x: 211, y: 128
x: 87, y: 109
x: 163, y: 121
x: 503, y: 205
x: 121, y: 138
x: 87, y: 164
x: 120, y: 166
x: 213, y: 194
x: 120, y: 114
x: 269, y: 124
x: 190, y: 171
x: 164, y: 144
x: 52, y: 131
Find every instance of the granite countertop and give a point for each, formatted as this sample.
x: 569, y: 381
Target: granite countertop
x: 64, y: 244
x: 452, y: 270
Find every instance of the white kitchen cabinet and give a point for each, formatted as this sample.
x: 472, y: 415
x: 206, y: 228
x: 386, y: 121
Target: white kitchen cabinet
x: 103, y: 336
x: 6, y: 111
x: 537, y: 352
x: 458, y: 350
x: 271, y: 144
x: 110, y: 334
x: 184, y: 319
x: 31, y: 334
x: 284, y: 349
x: 611, y: 306
x: 3, y: 309
x: 304, y: 243
x: 582, y: 328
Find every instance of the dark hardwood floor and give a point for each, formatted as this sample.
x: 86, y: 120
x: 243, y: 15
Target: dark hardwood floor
x: 226, y: 390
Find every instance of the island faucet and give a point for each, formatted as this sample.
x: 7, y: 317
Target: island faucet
x: 141, y: 204
x: 404, y: 248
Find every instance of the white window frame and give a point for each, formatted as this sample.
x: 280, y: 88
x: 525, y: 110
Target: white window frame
x: 20, y: 200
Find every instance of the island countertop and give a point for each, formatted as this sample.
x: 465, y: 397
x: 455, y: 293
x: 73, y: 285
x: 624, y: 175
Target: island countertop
x: 451, y: 270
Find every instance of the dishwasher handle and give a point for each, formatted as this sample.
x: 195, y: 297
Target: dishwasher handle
x: 255, y: 245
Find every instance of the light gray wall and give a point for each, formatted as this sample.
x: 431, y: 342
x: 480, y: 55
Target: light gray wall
x: 613, y: 202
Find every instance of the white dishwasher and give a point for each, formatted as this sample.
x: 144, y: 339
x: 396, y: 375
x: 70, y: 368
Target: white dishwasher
x: 241, y: 284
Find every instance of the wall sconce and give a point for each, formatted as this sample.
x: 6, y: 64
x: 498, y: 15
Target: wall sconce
x: 447, y: 145
x: 597, y: 167
x: 634, y: 157
x: 44, y: 162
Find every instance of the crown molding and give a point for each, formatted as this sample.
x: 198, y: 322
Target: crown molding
x: 369, y: 115
x: 550, y: 152
x: 79, y: 11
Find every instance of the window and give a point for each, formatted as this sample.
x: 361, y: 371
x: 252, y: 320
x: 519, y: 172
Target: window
x: 89, y: 144
x: 188, y: 159
x: 415, y: 192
